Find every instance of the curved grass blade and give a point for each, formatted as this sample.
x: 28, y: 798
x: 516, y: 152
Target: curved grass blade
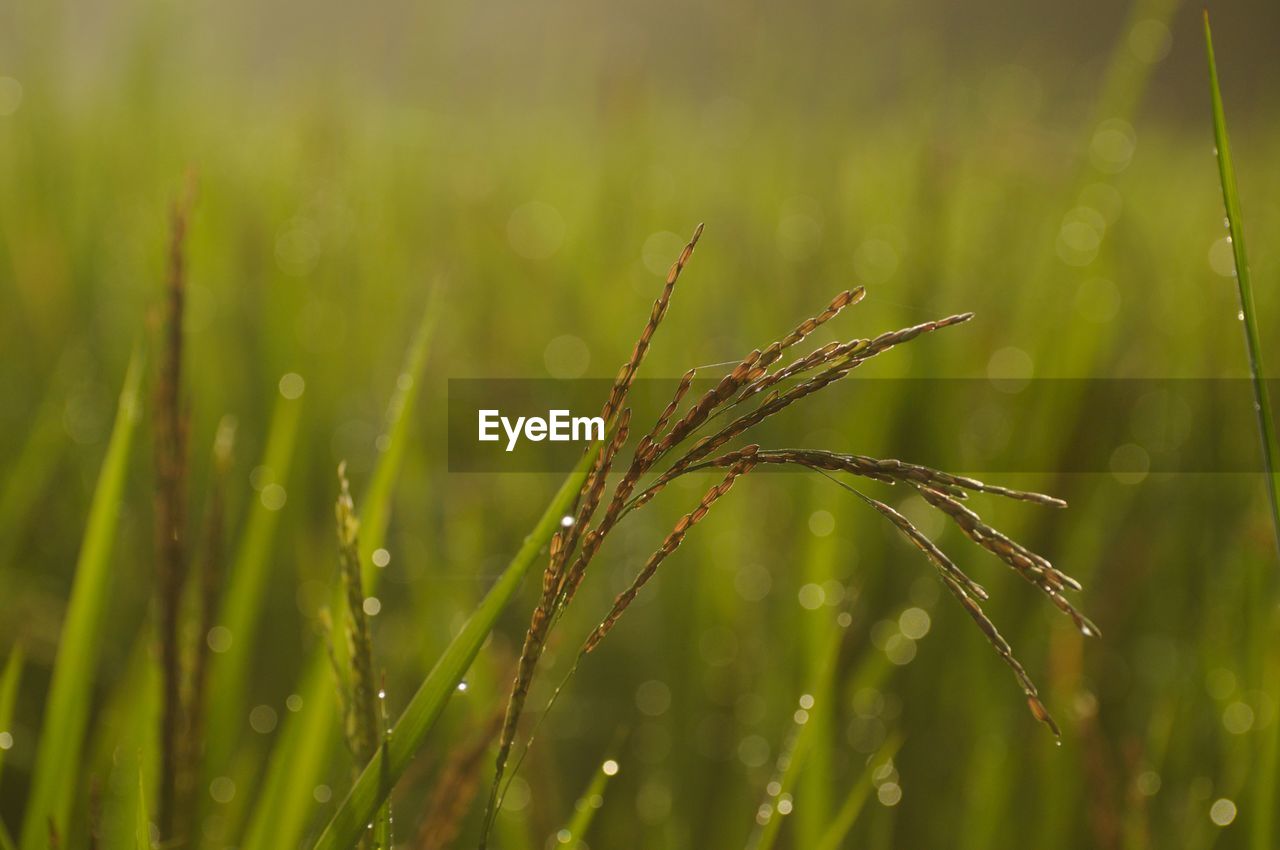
x: 584, y: 810
x: 29, y: 471
x: 1244, y: 285
x: 142, y: 824
x: 125, y: 740
x: 769, y: 820
x: 241, y: 609
x: 67, y: 708
x: 285, y: 802
x: 9, y: 692
x: 1263, y: 821
x: 375, y: 510
x: 352, y: 817
x: 833, y: 838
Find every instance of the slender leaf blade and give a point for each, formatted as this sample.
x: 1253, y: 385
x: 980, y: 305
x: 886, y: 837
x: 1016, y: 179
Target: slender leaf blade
x: 241, y: 609
x: 584, y: 811
x: 1264, y: 788
x: 142, y: 824
x: 299, y: 757
x: 9, y: 692
x: 1244, y: 284
x: 67, y: 707
x: 847, y: 816
x: 370, y: 789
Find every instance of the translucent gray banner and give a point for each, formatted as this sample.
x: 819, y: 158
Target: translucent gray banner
x: 964, y: 425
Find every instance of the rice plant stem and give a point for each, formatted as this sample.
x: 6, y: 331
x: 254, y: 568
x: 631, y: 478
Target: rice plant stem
x: 419, y: 717
x: 70, y: 691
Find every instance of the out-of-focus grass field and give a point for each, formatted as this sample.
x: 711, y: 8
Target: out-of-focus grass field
x: 538, y: 168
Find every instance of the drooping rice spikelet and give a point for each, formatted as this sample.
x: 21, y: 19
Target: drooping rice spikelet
x: 574, y: 547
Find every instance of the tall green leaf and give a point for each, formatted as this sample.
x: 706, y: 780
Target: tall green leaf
x: 847, y: 816
x: 821, y: 693
x: 29, y: 471
x: 142, y: 824
x: 9, y: 693
x: 375, y: 506
x: 241, y: 608
x: 584, y: 811
x: 300, y: 755
x: 375, y: 783
x: 1264, y: 787
x: 67, y: 708
x: 1244, y: 285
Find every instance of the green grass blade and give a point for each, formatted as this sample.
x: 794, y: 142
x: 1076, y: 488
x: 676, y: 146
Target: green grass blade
x: 30, y: 470
x: 1253, y: 339
x: 281, y: 812
x: 822, y: 692
x: 241, y: 609
x: 6, y: 840
x: 347, y: 824
x: 67, y: 708
x: 298, y: 761
x: 584, y: 810
x: 1262, y: 826
x: 142, y: 825
x: 375, y: 506
x: 126, y: 734
x: 9, y: 693
x: 833, y: 838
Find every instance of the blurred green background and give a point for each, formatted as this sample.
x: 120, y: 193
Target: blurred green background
x: 538, y: 166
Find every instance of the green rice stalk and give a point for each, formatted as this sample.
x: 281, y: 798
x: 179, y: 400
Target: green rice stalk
x: 1244, y: 286
x: 382, y: 821
x: 9, y: 692
x: 847, y: 816
x: 240, y: 610
x: 142, y: 825
x: 361, y: 691
x: 30, y: 470
x: 794, y: 752
x: 1262, y: 826
x: 70, y: 692
x: 375, y: 513
x: 584, y: 810
x: 299, y: 759
x: 371, y: 789
x: 127, y: 729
